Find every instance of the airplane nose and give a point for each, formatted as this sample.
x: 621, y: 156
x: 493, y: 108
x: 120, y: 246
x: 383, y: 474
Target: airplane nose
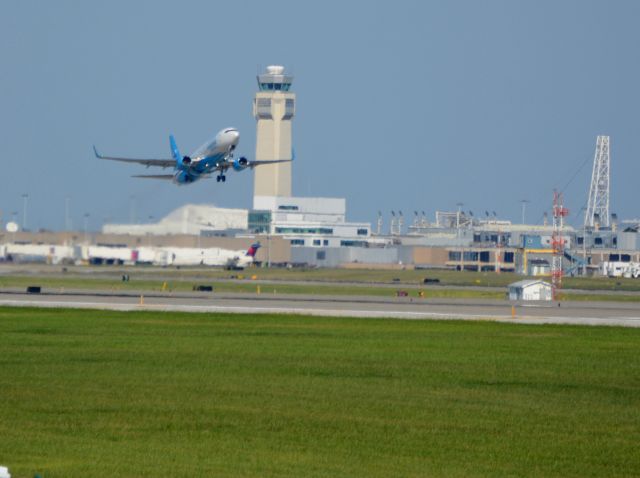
x: 234, y: 137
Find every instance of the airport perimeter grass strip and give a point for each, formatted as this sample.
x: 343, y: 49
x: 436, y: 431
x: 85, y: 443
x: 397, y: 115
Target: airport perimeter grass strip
x: 363, y: 276
x: 102, y: 394
x: 62, y: 284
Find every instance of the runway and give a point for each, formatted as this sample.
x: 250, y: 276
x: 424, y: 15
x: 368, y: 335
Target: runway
x: 578, y: 313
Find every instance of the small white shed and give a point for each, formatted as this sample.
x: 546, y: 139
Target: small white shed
x: 530, y: 290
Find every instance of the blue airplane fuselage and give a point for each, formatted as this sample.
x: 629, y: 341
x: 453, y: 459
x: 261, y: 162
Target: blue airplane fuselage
x: 204, y: 160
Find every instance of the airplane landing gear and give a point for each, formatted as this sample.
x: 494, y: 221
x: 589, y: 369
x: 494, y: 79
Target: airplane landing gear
x: 221, y: 178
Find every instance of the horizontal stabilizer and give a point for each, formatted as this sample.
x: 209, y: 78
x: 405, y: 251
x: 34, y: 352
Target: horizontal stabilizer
x: 154, y: 176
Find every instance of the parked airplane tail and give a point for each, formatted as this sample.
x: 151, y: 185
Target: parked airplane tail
x: 251, y: 252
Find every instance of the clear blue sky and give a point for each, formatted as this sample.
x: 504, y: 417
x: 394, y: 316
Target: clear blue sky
x: 401, y: 105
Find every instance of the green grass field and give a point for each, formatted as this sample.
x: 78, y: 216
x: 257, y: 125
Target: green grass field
x: 136, y: 284
x: 102, y: 394
x: 338, y: 281
x: 248, y: 286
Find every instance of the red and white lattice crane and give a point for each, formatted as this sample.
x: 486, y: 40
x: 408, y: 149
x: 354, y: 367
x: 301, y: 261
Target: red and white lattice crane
x: 557, y: 243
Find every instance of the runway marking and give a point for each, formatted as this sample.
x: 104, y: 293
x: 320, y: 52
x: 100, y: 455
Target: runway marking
x: 407, y: 315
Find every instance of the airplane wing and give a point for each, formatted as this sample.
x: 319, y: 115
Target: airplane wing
x: 168, y: 177
x: 244, y: 164
x: 163, y: 163
x: 253, y: 164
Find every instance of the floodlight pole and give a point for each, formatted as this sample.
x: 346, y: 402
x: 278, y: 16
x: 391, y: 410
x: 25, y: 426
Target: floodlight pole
x: 67, y: 219
x: 25, y: 198
x: 524, y: 207
x: 86, y: 227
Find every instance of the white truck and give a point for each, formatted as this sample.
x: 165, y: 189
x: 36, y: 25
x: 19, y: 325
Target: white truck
x: 621, y: 269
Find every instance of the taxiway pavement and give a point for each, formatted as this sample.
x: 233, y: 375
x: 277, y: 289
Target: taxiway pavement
x: 578, y: 313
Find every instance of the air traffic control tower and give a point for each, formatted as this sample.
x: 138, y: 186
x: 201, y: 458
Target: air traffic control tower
x: 273, y: 108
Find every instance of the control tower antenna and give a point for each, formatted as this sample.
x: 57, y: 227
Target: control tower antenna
x: 598, y: 206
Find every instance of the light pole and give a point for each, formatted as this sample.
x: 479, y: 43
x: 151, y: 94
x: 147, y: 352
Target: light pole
x: 150, y: 219
x: 14, y: 215
x: 584, y: 245
x: 25, y: 199
x: 86, y: 227
x: 524, y: 207
x: 460, y: 204
x: 67, y: 217
x: 132, y: 209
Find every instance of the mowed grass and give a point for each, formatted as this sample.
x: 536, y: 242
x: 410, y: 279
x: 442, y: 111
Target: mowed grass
x: 184, y: 278
x: 61, y: 284
x: 102, y: 394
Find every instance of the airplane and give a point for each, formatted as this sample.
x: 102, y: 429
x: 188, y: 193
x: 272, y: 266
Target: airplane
x: 216, y: 155
x: 229, y: 259
x: 244, y: 260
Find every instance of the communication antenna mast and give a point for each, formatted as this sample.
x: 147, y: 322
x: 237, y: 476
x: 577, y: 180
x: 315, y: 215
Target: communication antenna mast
x: 598, y: 206
x: 557, y: 243
x: 379, y: 222
x: 400, y: 224
x: 392, y: 225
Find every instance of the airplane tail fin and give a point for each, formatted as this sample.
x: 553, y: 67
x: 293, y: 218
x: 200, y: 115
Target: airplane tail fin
x: 251, y: 252
x: 175, y: 152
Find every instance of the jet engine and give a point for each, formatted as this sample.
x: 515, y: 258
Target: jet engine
x: 240, y: 164
x: 186, y: 161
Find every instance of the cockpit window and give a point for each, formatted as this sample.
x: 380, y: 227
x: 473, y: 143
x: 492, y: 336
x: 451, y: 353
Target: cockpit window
x: 229, y: 130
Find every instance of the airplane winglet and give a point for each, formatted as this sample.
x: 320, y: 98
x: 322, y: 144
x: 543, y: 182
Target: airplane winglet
x: 96, y: 152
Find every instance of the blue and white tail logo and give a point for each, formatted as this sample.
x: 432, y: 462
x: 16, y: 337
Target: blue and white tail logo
x: 181, y: 161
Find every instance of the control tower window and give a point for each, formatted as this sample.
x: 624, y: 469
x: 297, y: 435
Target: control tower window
x: 275, y: 86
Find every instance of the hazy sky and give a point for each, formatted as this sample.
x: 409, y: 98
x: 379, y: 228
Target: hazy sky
x: 401, y: 105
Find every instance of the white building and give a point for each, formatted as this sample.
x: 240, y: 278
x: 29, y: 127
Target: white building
x: 539, y: 267
x: 49, y: 253
x: 189, y: 219
x: 620, y: 269
x: 313, y: 222
x: 530, y: 290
